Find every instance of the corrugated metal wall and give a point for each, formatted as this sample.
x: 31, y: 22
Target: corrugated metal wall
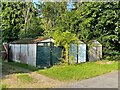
x: 73, y: 53
x: 32, y: 54
x: 56, y: 54
x: 81, y: 53
x: 77, y: 53
x: 24, y: 53
x: 95, y: 52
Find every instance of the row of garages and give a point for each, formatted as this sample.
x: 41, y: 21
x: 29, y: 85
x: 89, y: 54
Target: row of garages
x: 43, y: 52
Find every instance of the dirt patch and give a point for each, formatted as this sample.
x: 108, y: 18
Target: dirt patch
x: 104, y: 62
x: 39, y: 81
x: 45, y: 81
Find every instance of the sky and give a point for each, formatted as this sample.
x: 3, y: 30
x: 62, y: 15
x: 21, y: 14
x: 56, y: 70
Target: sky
x: 35, y: 1
x: 69, y: 4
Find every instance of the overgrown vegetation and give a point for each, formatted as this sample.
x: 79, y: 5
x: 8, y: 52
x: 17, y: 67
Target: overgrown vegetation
x: 88, y: 21
x: 80, y: 71
x: 19, y: 20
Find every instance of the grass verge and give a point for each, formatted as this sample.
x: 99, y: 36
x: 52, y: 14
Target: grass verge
x: 79, y: 71
x: 24, y: 78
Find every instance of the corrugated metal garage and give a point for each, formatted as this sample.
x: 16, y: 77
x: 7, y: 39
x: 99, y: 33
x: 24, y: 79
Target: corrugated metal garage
x: 39, y: 52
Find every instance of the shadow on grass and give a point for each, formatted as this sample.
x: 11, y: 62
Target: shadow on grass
x: 15, y: 68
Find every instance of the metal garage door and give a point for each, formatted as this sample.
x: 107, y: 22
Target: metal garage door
x: 43, y: 56
x: 47, y: 56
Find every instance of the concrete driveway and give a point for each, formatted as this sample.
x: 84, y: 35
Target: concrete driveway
x: 109, y: 80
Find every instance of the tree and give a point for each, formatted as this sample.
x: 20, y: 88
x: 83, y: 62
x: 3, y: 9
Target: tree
x: 64, y: 39
x: 35, y: 28
x: 88, y: 21
x: 100, y: 21
x: 18, y: 19
x: 12, y: 21
x: 50, y: 13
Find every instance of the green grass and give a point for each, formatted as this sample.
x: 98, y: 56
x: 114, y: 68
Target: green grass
x: 119, y: 65
x: 26, y: 66
x: 24, y: 78
x: 78, y: 72
x: 3, y: 87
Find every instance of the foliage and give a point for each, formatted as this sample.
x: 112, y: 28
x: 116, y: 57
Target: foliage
x: 16, y: 19
x: 89, y: 21
x: 34, y: 29
x: 50, y: 12
x: 64, y: 39
x: 11, y: 18
x: 53, y: 20
x: 79, y: 71
x: 100, y: 22
x: 113, y: 55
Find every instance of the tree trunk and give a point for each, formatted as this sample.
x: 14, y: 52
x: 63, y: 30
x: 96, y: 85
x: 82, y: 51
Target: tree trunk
x: 26, y: 19
x: 67, y: 55
x: 27, y: 14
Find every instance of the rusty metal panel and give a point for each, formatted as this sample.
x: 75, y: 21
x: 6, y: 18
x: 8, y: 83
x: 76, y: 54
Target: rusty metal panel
x: 95, y: 53
x: 92, y: 54
x: 12, y: 52
x: 95, y: 50
x: 4, y: 51
x: 31, y: 60
x: 99, y: 52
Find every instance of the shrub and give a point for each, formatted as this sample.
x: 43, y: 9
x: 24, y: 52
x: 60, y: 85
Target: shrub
x: 113, y: 55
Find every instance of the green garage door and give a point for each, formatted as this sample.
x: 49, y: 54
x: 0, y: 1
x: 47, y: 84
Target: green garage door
x: 43, y: 56
x: 46, y: 58
x: 56, y: 54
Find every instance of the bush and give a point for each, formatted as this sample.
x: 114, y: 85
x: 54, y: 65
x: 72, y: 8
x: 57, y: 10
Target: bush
x: 62, y: 61
x: 113, y: 55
